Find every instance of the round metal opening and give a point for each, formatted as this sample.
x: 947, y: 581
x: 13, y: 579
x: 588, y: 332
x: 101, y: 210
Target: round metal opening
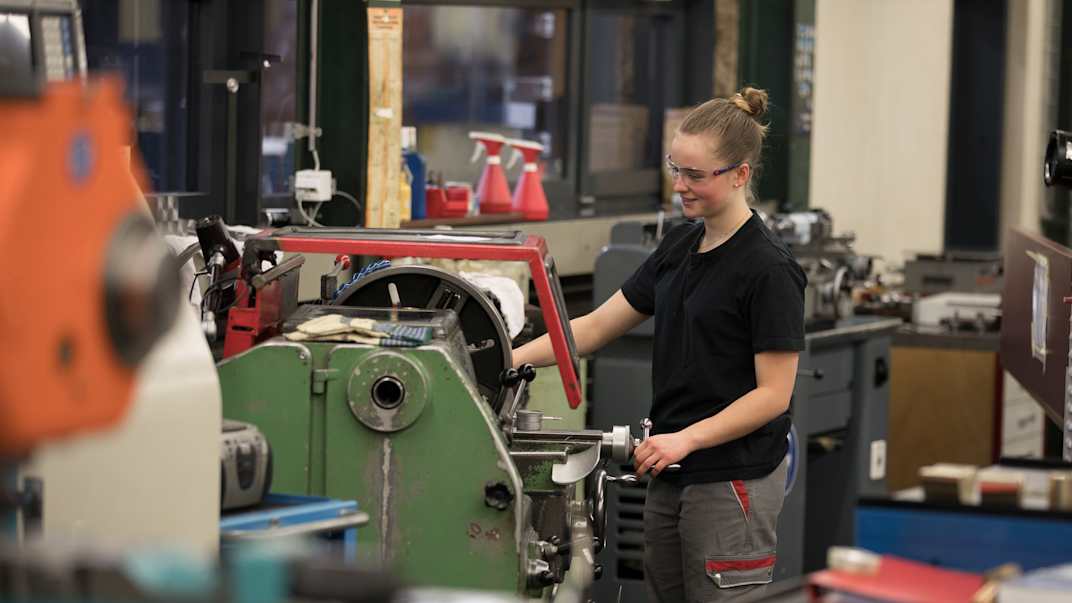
x: 388, y: 392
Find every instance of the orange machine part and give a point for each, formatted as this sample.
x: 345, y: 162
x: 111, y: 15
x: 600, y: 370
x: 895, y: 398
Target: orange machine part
x: 65, y: 186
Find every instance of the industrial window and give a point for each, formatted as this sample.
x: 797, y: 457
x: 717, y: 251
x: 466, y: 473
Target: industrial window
x: 279, y: 97
x: 148, y: 44
x: 497, y: 69
x: 634, y: 71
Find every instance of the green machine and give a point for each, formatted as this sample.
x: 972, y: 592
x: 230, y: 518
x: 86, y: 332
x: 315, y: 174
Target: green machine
x: 427, y: 429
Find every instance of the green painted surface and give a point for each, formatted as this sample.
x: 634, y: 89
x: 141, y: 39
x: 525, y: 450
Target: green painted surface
x: 270, y: 387
x: 429, y: 478
x: 546, y: 394
x: 437, y: 529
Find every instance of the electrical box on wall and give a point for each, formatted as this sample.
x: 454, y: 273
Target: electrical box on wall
x: 313, y: 185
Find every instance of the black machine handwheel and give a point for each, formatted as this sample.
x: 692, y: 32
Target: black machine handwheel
x: 433, y: 288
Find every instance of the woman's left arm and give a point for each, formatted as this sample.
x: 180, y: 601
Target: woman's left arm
x: 776, y: 373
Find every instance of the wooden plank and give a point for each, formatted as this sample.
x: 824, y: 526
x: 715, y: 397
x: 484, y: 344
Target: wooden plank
x: 382, y: 205
x: 942, y: 409
x: 727, y: 29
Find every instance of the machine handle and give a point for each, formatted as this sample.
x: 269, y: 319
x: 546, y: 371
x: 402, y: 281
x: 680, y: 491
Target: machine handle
x: 344, y: 522
x: 816, y: 374
x: 510, y: 377
x: 527, y: 372
x: 522, y: 377
x: 294, y: 262
x: 646, y: 425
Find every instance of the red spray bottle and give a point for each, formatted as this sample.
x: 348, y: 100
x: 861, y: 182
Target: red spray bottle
x: 529, y: 196
x: 492, y: 192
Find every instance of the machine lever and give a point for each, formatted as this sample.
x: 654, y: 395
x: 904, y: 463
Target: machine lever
x: 646, y: 425
x: 522, y: 377
x: 816, y: 374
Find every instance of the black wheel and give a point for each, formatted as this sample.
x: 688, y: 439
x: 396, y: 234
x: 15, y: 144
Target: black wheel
x: 433, y: 288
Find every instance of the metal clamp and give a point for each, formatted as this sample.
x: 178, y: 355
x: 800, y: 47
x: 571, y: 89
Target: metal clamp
x: 343, y: 522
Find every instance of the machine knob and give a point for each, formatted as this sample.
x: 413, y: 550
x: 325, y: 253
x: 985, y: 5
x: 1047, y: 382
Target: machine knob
x: 497, y: 496
x: 510, y: 377
x: 597, y: 571
x: 540, y: 574
x: 561, y: 548
x: 619, y: 444
x: 528, y: 372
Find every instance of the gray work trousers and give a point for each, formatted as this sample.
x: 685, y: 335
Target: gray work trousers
x: 711, y: 542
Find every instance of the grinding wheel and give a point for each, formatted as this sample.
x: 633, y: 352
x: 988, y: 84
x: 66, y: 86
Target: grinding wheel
x: 432, y: 288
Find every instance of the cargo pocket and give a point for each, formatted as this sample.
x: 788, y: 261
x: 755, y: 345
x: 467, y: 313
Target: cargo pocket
x: 728, y: 571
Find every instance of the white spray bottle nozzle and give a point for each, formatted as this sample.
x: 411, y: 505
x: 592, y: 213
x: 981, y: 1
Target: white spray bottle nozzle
x: 478, y: 150
x: 514, y: 156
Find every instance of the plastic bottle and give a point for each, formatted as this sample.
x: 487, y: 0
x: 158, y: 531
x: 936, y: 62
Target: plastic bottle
x: 418, y: 170
x: 405, y: 195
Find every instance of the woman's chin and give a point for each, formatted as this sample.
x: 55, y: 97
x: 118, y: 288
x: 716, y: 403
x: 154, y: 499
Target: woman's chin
x: 691, y: 209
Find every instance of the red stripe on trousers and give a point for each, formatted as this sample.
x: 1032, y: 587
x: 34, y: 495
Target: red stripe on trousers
x: 742, y: 493
x: 742, y: 565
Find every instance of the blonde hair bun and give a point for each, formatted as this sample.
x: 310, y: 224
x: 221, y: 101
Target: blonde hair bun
x: 752, y: 101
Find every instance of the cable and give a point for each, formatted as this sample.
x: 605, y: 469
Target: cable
x: 357, y: 205
x: 193, y: 284
x: 220, y: 284
x: 308, y: 219
x: 314, y: 43
x: 311, y: 220
x: 188, y: 253
x: 316, y: 158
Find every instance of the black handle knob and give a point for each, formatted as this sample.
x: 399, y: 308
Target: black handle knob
x: 597, y: 571
x: 882, y: 372
x: 510, y: 377
x: 497, y: 495
x: 528, y: 372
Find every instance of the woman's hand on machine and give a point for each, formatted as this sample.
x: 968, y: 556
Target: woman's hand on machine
x: 657, y: 452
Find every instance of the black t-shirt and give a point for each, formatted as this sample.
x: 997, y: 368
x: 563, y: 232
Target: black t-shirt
x: 713, y: 312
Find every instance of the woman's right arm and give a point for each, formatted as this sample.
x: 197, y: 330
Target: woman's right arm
x: 590, y: 332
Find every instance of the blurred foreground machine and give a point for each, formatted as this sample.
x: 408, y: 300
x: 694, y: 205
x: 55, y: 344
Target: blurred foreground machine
x: 84, y: 378
x: 839, y: 406
x: 426, y: 428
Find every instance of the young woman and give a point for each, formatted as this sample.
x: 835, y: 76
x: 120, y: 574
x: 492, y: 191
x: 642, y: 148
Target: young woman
x: 727, y: 297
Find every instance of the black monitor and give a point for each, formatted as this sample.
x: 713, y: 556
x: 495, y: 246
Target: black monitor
x: 38, y: 44
x: 1036, y: 327
x: 17, y: 65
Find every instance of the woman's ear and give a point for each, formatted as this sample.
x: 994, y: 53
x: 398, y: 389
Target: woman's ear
x: 741, y: 175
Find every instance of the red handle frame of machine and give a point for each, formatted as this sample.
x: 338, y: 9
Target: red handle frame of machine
x: 256, y: 317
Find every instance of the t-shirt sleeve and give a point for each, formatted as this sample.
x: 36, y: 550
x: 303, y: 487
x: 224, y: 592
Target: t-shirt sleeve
x: 777, y: 309
x: 639, y: 289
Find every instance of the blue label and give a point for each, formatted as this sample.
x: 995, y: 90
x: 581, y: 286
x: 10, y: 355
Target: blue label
x: 80, y: 157
x: 794, y: 459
